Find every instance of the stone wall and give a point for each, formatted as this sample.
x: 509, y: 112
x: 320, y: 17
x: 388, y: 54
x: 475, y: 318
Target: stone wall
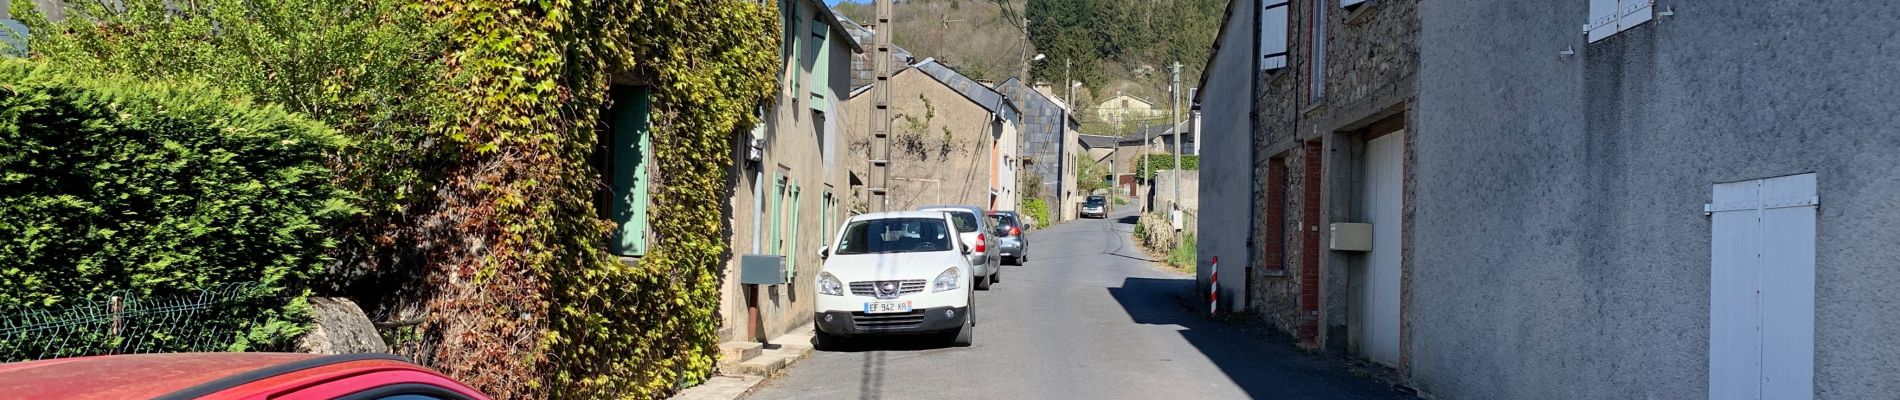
x: 1371, y: 59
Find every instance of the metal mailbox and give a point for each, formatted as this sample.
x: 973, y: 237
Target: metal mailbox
x: 763, y: 269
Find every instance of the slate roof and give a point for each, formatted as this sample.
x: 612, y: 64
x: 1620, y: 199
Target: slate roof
x: 1032, y: 92
x: 1098, y: 141
x: 1157, y: 131
x: 982, y: 95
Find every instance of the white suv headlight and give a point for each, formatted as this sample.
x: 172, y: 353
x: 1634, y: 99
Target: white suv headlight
x: 828, y: 284
x: 946, y: 280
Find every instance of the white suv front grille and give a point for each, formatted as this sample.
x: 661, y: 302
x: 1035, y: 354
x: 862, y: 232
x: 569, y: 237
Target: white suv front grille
x: 888, y: 289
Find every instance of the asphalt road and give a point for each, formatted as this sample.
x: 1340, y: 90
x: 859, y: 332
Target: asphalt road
x: 1088, y: 317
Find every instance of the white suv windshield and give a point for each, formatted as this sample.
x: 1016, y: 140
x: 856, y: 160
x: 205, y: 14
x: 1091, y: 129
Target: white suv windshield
x: 895, y: 235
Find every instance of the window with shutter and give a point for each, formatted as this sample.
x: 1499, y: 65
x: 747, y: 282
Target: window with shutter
x: 1316, y: 72
x: 1607, y: 17
x: 1273, y: 34
x: 627, y: 169
x: 793, y: 251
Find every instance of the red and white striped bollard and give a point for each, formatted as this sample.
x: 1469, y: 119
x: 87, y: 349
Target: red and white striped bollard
x: 1213, y: 287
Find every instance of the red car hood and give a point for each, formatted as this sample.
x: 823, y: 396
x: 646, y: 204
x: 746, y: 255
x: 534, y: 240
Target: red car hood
x: 138, y: 376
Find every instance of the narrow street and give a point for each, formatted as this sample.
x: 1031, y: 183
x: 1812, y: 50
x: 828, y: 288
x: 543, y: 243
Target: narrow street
x: 1087, y: 317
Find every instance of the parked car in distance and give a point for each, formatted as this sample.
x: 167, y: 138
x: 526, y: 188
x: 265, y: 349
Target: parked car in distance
x: 1095, y: 207
x: 1011, y: 245
x: 977, y: 234
x: 212, y: 376
x: 901, y: 272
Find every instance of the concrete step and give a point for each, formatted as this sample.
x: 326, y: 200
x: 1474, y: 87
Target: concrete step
x: 796, y: 342
x: 763, y: 365
x: 739, y: 351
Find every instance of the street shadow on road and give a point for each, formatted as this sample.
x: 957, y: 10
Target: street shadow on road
x: 875, y: 348
x: 858, y: 344
x: 1264, y: 364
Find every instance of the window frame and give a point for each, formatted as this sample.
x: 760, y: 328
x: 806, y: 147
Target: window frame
x: 629, y: 237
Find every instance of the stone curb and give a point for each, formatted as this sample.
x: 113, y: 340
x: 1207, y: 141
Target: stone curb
x: 737, y: 378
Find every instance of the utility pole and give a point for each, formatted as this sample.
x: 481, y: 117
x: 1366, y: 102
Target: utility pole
x: 1062, y: 144
x: 1174, y: 124
x: 944, y: 24
x: 1146, y: 140
x: 881, y: 109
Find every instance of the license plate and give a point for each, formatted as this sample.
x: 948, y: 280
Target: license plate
x: 884, y: 307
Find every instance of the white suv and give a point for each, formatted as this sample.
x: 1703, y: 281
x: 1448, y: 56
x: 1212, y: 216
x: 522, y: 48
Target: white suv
x: 895, y: 273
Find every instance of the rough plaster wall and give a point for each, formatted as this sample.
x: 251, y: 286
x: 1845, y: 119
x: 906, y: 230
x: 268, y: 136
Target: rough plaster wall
x: 1560, y: 247
x: 1225, y: 160
x: 961, y: 177
x: 1190, y: 200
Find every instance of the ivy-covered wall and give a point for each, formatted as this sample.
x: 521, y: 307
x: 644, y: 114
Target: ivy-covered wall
x: 482, y: 188
x: 559, y: 315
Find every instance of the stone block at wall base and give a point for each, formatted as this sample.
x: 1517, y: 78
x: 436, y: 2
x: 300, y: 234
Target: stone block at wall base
x: 338, y: 326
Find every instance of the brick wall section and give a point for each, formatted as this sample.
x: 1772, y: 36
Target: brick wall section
x: 1273, y: 237
x: 1273, y: 292
x: 1309, y: 243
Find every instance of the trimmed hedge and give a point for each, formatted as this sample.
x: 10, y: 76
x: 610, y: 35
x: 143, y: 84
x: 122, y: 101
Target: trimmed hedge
x: 152, y: 189
x: 1037, y: 210
x: 1164, y: 162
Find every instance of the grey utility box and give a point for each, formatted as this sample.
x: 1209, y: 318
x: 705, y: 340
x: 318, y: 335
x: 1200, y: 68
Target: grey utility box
x: 1352, y: 236
x: 762, y: 269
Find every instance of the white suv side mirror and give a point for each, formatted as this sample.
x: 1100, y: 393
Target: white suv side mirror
x: 824, y: 252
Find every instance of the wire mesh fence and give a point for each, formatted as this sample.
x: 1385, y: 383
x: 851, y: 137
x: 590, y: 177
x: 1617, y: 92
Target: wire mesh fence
x: 211, y: 319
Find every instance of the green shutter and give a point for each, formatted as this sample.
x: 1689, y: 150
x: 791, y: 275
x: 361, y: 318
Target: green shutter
x: 824, y: 220
x: 821, y: 68
x: 791, y: 259
x: 631, y: 146
x: 778, y: 200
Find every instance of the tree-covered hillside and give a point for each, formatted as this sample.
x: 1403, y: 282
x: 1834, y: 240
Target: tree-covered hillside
x: 1115, y: 46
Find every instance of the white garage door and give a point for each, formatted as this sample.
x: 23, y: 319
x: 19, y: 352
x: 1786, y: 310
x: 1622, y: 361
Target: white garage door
x: 1379, y: 287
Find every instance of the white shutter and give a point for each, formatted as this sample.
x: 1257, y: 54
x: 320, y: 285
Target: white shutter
x: 1761, y: 289
x: 1788, y: 237
x: 1607, y: 17
x: 1273, y: 34
x: 1602, y: 22
x: 1349, y: 4
x: 1630, y: 13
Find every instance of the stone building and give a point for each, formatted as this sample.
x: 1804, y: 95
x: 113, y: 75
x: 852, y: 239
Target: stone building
x: 1124, y: 110
x: 791, y: 185
x: 1049, y: 141
x: 1331, y: 146
x: 1325, y: 92
x: 947, y: 139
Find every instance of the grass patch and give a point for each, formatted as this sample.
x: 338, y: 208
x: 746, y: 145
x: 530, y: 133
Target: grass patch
x: 1184, y: 254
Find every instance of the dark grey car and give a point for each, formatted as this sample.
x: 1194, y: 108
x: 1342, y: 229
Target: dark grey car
x: 1011, y: 244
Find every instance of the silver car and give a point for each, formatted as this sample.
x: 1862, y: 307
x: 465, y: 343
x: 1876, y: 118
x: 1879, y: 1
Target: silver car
x: 1095, y: 207
x: 1012, y: 244
x: 977, y: 233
